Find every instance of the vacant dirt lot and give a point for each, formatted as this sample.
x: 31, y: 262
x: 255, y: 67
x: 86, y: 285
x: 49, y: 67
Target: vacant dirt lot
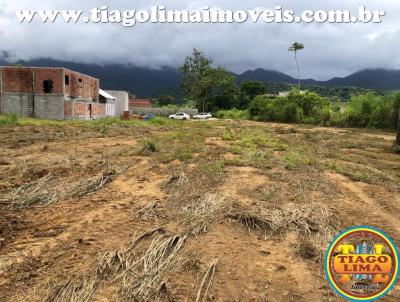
x: 185, y: 211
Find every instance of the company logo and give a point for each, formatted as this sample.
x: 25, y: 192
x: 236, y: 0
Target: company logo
x: 362, y: 264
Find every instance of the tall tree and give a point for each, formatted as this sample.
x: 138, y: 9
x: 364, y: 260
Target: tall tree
x: 221, y: 88
x: 208, y: 87
x: 165, y: 99
x: 295, y: 47
x: 194, y: 78
x: 253, y: 88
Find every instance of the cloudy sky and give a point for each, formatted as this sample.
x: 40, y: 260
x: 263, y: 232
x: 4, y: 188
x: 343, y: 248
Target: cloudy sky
x: 330, y: 49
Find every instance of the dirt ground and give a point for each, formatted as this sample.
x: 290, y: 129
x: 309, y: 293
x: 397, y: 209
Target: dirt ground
x: 186, y: 211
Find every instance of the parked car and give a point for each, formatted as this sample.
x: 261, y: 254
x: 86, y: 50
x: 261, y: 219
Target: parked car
x: 203, y: 115
x: 180, y: 116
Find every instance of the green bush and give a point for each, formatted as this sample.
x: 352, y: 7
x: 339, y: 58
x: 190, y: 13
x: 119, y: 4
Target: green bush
x: 148, y: 146
x: 310, y: 103
x: 367, y: 110
x: 372, y: 111
x: 11, y: 119
x: 279, y: 109
x: 325, y: 115
x: 233, y: 113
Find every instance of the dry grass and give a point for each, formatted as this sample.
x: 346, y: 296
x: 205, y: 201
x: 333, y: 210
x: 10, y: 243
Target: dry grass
x: 286, y: 204
x: 74, y: 291
x: 142, y: 272
x: 49, y: 189
x: 149, y: 212
x: 201, y: 213
x: 40, y: 192
x: 112, y: 263
x: 146, y: 273
x: 315, y: 225
x: 89, y: 185
x: 206, y: 282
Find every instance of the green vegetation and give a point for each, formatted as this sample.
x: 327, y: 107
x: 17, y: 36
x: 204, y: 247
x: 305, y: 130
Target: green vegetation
x: 148, y: 146
x: 369, y: 110
x: 103, y: 125
x: 233, y: 113
x: 8, y: 120
x: 208, y: 87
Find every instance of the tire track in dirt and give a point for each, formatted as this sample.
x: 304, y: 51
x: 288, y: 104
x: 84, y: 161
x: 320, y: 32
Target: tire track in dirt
x: 251, y: 268
x: 363, y: 207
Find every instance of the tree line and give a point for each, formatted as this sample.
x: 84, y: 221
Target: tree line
x: 215, y: 89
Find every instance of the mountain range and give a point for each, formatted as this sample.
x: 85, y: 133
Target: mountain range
x: 147, y: 82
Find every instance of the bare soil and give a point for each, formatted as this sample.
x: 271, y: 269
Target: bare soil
x: 198, y: 185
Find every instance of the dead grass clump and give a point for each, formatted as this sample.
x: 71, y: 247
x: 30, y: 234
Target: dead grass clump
x: 89, y: 185
x: 178, y: 180
x: 206, y: 282
x: 142, y: 272
x: 315, y: 225
x: 112, y: 263
x: 298, y: 185
x: 149, y: 211
x: 49, y: 189
x: 74, y: 291
x: 39, y: 192
x: 268, y: 222
x: 162, y: 258
x: 202, y: 212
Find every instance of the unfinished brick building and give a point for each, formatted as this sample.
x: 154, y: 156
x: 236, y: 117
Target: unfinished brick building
x: 54, y: 93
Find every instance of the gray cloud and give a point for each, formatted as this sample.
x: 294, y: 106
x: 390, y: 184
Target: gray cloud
x: 331, y: 49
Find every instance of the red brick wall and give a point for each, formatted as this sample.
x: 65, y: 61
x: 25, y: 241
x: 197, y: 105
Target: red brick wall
x: 139, y: 103
x: 88, y: 88
x: 26, y: 80
x: 67, y: 108
x: 81, y: 109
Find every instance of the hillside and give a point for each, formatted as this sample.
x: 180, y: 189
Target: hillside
x: 370, y: 78
x: 147, y: 82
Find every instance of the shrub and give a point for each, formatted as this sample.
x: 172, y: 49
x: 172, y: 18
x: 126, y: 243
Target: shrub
x: 325, y: 115
x: 11, y: 119
x: 367, y: 110
x: 372, y: 110
x: 148, y: 146
x: 310, y: 102
x: 279, y: 109
x: 233, y: 113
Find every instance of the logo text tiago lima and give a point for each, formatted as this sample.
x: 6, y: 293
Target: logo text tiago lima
x: 347, y: 263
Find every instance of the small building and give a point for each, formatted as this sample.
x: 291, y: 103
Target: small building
x: 121, y: 101
x: 109, y: 101
x: 140, y: 103
x: 284, y: 93
x: 53, y: 93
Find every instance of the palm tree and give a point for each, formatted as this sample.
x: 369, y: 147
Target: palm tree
x: 295, y: 47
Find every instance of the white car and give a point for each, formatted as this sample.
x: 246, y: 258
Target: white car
x: 180, y: 116
x: 203, y: 116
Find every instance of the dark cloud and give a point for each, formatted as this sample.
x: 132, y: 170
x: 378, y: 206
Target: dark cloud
x: 330, y: 49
